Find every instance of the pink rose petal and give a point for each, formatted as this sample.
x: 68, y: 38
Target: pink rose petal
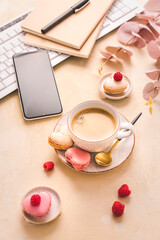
x: 153, y: 49
x: 146, y: 33
x: 116, y: 49
x: 152, y: 5
x: 150, y: 91
x: 153, y: 28
x: 154, y: 74
x: 124, y: 33
x: 158, y: 63
x: 140, y: 43
x: 157, y: 84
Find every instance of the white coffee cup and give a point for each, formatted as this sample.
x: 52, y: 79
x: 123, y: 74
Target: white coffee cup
x: 106, y: 143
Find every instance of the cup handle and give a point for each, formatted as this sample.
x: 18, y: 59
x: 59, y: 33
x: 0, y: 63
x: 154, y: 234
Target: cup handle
x: 129, y: 129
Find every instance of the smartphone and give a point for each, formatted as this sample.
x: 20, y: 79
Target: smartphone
x: 36, y: 85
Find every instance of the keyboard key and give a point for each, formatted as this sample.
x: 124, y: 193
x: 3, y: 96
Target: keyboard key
x: 1, y: 86
x: 15, y: 42
x: 113, y: 9
x: 10, y: 70
x: 24, y: 51
x: 8, y: 46
x: 2, y: 50
x: 23, y: 46
x: 109, y: 13
x: 125, y: 10
x: 18, y: 29
x: 9, y: 54
x: 11, y: 79
x: 2, y: 67
x: 131, y: 4
x: 8, y: 90
x: 9, y: 62
x: 4, y: 37
x: 3, y: 75
x: 31, y: 49
x: 106, y: 22
x: 3, y: 58
x: 20, y: 37
x: 12, y: 33
x: 53, y: 54
x: 116, y: 16
x: 17, y: 49
x: 119, y: 5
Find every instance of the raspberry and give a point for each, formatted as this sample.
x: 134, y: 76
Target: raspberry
x: 118, y: 76
x: 118, y: 208
x: 124, y: 191
x: 35, y: 200
x: 48, y: 166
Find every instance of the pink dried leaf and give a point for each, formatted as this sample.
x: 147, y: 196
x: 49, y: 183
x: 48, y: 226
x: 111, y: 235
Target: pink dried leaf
x: 158, y: 22
x: 147, y: 15
x: 153, y: 49
x: 152, y: 5
x: 154, y: 74
x: 106, y: 55
x: 140, y: 42
x: 153, y: 28
x: 150, y: 91
x: 115, y: 59
x: 158, y: 41
x: 116, y: 49
x: 126, y: 51
x: 144, y: 16
x: 157, y: 85
x: 158, y: 63
x: 146, y: 33
x: 111, y: 57
x: 124, y: 33
x: 113, y: 49
x: 151, y: 14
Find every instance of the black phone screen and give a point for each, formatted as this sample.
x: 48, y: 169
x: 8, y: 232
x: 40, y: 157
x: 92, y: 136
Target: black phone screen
x: 36, y: 84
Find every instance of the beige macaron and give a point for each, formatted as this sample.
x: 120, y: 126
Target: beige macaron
x: 60, y: 139
x: 112, y: 86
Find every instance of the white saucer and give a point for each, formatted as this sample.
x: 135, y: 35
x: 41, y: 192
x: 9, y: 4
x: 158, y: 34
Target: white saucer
x: 119, y: 154
x: 119, y: 96
x: 55, y: 209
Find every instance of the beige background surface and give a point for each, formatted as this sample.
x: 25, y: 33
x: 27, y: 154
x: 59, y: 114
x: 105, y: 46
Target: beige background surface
x: 86, y: 198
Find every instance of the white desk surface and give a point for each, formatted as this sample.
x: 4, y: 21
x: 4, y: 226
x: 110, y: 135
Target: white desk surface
x: 86, y: 198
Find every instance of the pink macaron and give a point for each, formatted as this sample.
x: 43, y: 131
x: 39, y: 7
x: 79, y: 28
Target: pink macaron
x: 79, y: 158
x: 41, y: 209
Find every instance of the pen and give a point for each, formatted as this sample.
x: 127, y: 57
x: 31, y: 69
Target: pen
x: 75, y: 8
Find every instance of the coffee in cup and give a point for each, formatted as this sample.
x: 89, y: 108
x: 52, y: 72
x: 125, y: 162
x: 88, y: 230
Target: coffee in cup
x: 94, y: 125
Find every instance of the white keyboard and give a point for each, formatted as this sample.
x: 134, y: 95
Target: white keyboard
x: 11, y: 41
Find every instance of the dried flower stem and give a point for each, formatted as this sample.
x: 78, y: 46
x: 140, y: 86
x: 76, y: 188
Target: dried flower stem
x: 102, y: 64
